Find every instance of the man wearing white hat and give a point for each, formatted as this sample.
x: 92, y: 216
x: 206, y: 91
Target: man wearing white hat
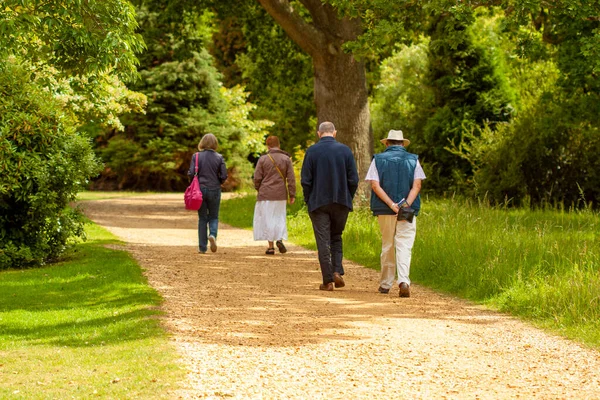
x: 396, y: 177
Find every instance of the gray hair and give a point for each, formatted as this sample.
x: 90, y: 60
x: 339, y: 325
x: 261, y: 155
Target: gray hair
x: 326, y: 127
x: 392, y: 142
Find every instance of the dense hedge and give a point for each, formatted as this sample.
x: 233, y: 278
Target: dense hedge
x: 43, y: 164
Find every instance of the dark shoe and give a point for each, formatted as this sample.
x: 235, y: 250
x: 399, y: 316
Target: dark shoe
x: 213, y: 243
x: 281, y: 246
x: 339, y: 281
x: 202, y: 251
x: 326, y: 286
x: 404, y: 289
x: 382, y: 290
x: 270, y: 250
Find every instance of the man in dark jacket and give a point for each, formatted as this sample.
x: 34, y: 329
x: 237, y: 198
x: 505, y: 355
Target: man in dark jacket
x: 329, y: 180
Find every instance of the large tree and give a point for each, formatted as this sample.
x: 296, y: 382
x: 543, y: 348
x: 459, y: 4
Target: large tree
x: 340, y: 82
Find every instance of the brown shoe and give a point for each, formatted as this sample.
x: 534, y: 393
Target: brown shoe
x: 383, y: 290
x: 339, y: 281
x: 281, y: 246
x: 404, y: 289
x: 326, y: 286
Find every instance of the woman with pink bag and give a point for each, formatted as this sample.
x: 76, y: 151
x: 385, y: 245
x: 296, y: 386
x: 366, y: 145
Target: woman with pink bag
x: 212, y: 172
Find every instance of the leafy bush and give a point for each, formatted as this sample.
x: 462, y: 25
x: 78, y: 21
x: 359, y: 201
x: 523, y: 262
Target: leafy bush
x: 43, y: 164
x: 549, y: 153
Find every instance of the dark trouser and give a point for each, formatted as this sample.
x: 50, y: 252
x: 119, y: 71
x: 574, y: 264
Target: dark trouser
x: 208, y: 215
x: 328, y: 224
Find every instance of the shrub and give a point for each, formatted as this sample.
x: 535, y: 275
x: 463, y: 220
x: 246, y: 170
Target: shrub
x: 549, y: 154
x: 44, y: 162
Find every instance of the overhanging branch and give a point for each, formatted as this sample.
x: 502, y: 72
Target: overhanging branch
x: 307, y: 36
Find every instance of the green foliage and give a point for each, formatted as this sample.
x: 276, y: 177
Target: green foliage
x: 548, y: 153
x: 60, y: 64
x: 97, y: 100
x: 43, y: 164
x: 77, y: 37
x: 440, y: 89
x: 185, y: 101
x: 78, y: 52
x: 401, y: 97
x: 573, y: 27
x: 469, y: 91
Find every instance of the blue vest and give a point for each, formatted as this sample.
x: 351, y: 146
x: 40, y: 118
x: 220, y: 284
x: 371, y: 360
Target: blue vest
x: 396, y: 170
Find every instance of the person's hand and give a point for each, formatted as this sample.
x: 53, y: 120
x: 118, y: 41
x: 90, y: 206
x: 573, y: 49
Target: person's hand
x: 292, y: 200
x: 395, y: 208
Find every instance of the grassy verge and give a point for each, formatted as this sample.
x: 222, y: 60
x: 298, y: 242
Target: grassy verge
x: 84, y: 328
x: 101, y: 195
x: 541, y: 265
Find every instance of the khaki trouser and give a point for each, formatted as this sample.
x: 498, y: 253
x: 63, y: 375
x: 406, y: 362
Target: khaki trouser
x: 397, y: 239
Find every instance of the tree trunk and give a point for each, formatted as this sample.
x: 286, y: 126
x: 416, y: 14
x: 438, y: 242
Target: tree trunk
x: 340, y: 90
x: 341, y: 97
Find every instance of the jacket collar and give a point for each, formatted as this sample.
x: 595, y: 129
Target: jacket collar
x: 396, y: 148
x: 277, y: 150
x: 327, y: 138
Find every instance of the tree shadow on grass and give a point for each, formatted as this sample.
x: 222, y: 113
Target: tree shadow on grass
x: 98, y: 297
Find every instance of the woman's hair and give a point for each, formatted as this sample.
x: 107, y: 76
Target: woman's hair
x: 208, y: 141
x: 273, y: 141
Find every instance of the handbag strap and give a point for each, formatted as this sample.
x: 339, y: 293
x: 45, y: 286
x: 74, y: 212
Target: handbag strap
x: 196, y: 170
x: 280, y: 173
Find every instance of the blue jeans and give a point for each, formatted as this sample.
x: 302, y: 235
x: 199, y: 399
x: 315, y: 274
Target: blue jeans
x: 328, y: 224
x: 208, y: 215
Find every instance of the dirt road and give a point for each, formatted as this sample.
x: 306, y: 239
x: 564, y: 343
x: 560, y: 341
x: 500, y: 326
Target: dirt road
x: 252, y: 326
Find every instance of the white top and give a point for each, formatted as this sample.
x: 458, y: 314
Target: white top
x: 373, y: 175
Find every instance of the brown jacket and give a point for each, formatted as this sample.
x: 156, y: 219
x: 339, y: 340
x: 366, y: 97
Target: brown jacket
x: 268, y: 181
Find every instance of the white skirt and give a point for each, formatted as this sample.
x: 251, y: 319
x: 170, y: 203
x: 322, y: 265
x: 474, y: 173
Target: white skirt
x: 269, y: 220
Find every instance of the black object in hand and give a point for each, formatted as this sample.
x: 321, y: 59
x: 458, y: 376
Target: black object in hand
x: 406, y: 213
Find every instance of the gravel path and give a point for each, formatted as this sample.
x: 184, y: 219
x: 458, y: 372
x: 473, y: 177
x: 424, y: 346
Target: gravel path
x: 252, y: 326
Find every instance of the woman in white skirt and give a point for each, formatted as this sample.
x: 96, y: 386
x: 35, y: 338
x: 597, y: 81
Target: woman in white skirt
x: 275, y: 181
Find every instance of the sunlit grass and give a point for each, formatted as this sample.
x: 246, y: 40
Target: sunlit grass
x: 543, y: 265
x: 97, y: 195
x: 84, y: 328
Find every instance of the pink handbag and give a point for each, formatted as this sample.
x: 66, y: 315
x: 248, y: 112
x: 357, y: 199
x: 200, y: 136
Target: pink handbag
x: 193, y: 194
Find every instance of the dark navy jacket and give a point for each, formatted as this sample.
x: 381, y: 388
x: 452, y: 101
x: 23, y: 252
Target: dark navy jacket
x: 328, y: 174
x: 212, y: 171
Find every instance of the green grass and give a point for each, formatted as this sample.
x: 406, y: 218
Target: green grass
x: 84, y: 328
x: 541, y: 265
x: 101, y: 195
